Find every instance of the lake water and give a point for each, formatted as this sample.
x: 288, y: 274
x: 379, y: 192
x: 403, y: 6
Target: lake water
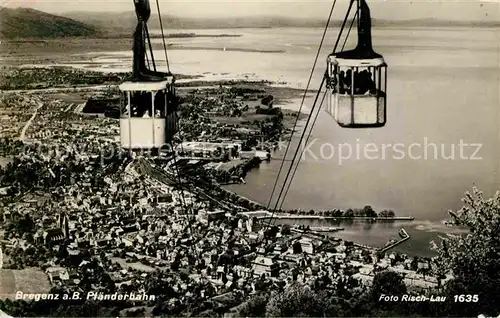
x: 443, y: 92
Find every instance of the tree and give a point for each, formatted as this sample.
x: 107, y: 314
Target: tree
x: 296, y: 301
x: 473, y: 258
x: 156, y: 284
x: 135, y: 312
x: 254, y: 307
x: 386, y: 214
x: 349, y: 213
x: 24, y: 224
x: 297, y: 247
x: 384, y: 283
x: 268, y: 101
x: 62, y: 252
x: 387, y: 283
x: 236, y: 112
x: 369, y: 212
x: 271, y: 233
x: 286, y: 230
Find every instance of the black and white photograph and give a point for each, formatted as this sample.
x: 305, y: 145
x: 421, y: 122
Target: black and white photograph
x: 249, y: 158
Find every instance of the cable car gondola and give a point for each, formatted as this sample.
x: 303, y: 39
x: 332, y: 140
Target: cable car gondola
x: 148, y: 118
x: 357, y: 79
x: 356, y: 87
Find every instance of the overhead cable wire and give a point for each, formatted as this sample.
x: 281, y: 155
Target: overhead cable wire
x: 349, y: 31
x: 299, y: 145
x: 301, y: 104
x: 163, y: 35
x: 146, y: 30
x: 343, y: 26
x: 314, y: 105
x: 183, y: 198
x: 297, y: 119
x: 302, y: 152
x: 145, y: 50
x: 316, y: 117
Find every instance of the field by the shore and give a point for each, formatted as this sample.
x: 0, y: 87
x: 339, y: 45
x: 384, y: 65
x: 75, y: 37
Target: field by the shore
x: 66, y: 50
x: 75, y: 86
x: 73, y: 51
x: 50, y: 51
x: 39, y: 57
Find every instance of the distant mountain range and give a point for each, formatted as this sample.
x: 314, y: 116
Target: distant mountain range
x: 127, y: 20
x: 30, y: 23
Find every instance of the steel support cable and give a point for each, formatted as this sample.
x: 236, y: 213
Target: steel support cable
x: 183, y: 199
x: 301, y: 104
x: 314, y: 105
x: 147, y: 60
x: 358, y: 9
x: 302, y: 152
x: 349, y: 31
x: 145, y: 50
x: 146, y: 30
x: 299, y: 145
x: 343, y: 26
x: 297, y: 119
x: 163, y: 35
x: 316, y: 117
x: 179, y: 180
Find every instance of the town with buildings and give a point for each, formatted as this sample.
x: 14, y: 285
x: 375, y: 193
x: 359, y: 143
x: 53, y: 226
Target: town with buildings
x: 120, y: 180
x: 93, y: 218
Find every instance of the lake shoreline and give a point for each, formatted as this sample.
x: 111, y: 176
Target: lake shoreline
x: 18, y: 52
x: 333, y: 218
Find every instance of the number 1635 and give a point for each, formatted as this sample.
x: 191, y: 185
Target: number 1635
x: 466, y: 298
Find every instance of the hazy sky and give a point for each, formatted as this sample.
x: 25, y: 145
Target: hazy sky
x: 385, y: 9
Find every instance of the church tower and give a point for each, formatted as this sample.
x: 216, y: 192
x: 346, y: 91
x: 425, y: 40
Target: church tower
x: 64, y: 224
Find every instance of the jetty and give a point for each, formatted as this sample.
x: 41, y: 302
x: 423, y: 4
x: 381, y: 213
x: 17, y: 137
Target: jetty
x: 319, y: 229
x: 259, y: 214
x: 312, y: 234
x: 404, y: 237
x: 327, y: 229
x: 318, y: 217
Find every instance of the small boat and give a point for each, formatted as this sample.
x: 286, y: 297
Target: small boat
x: 326, y: 229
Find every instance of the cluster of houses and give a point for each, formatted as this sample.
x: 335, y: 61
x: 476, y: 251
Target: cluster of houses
x: 133, y: 226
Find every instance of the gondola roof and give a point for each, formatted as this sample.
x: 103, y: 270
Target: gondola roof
x: 376, y: 62
x: 147, y: 86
